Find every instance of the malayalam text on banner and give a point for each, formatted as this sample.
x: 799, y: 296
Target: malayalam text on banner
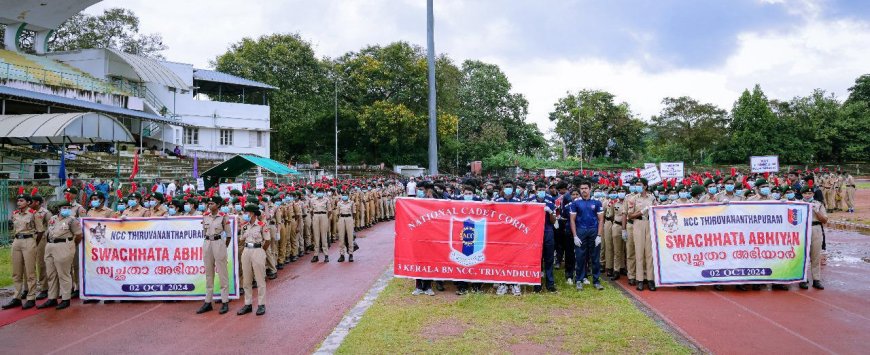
x: 739, y: 242
x: 148, y: 259
x: 469, y: 241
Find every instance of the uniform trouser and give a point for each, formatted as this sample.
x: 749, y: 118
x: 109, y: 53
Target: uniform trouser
x: 588, y: 253
x: 357, y: 217
x: 816, y: 253
x: 618, y: 246
x: 271, y: 258
x: 254, y: 266
x: 58, y: 257
x: 321, y: 223
x: 547, y: 257
x: 75, y: 270
x: 24, y: 267
x: 41, y: 280
x: 381, y: 208
x: 306, y: 229
x: 629, y: 251
x: 241, y: 248
x: 567, y: 241
x: 423, y: 284
x: 214, y: 254
x: 371, y: 212
x: 283, y: 243
x: 345, y: 234
x: 560, y: 251
x: 300, y: 239
x: 607, y: 247
x: 850, y: 197
x: 333, y: 226
x: 642, y: 251
x: 842, y: 196
x: 830, y: 201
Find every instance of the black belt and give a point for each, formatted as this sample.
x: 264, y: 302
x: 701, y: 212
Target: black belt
x: 319, y: 212
x: 619, y: 223
x: 253, y: 245
x: 304, y: 215
x: 60, y: 240
x: 271, y: 221
x: 631, y: 222
x: 609, y: 219
x: 23, y: 236
x: 817, y: 223
x: 213, y: 237
x: 346, y: 215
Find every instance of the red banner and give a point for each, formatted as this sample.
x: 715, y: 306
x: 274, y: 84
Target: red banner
x: 469, y: 241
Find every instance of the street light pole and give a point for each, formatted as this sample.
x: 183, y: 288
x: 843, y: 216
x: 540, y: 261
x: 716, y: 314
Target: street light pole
x: 579, y: 131
x: 336, y: 128
x: 433, y: 138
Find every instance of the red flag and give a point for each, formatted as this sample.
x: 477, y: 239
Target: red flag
x: 68, y: 182
x: 733, y: 171
x: 135, y: 166
x: 637, y: 171
x: 133, y: 187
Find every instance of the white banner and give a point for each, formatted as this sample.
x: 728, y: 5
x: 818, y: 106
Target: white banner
x: 259, y: 182
x: 225, y: 189
x: 148, y: 259
x: 672, y: 170
x: 649, y: 165
x: 200, y: 184
x: 735, y: 243
x: 549, y: 172
x: 627, y: 176
x: 651, y: 175
x: 764, y: 164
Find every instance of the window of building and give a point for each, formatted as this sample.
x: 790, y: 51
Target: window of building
x: 226, y: 137
x: 259, y: 139
x: 191, y: 136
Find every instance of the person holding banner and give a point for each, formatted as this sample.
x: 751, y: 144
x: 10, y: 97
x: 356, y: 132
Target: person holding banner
x: 820, y: 217
x: 587, y: 223
x: 423, y: 287
x: 728, y: 194
x: 638, y: 211
x: 508, y: 196
x: 64, y: 231
x: 549, y: 247
x: 255, y: 236
x: 216, y: 232
x: 155, y: 205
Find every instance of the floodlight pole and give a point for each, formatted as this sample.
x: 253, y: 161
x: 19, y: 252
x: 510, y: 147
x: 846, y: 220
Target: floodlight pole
x: 433, y: 138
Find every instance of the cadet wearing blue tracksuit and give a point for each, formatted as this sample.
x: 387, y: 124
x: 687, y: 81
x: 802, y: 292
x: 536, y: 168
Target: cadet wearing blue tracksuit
x: 548, y: 250
x: 587, y: 221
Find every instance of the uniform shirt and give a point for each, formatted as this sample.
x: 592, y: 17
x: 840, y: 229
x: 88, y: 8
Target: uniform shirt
x: 724, y: 197
x: 706, y: 198
x: 639, y: 203
x: 24, y: 222
x: 214, y: 224
x: 586, y: 212
x: 42, y: 217
x: 256, y: 232
x: 137, y: 211
x: 818, y: 207
x: 63, y: 227
x: 319, y: 204
x: 100, y: 212
x: 77, y: 210
x: 547, y: 201
x: 618, y: 207
x: 507, y: 200
x: 345, y: 208
x: 157, y: 211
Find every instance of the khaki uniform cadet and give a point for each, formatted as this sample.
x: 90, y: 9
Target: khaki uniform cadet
x: 272, y: 219
x: 24, y: 253
x: 835, y: 185
x: 728, y: 196
x: 606, y: 260
x: 828, y: 192
x: 157, y: 209
x: 849, y: 185
x: 638, y: 210
x: 379, y: 197
x: 628, y: 224
x: 345, y: 227
x: 819, y: 217
x: 356, y: 196
x: 255, y: 234
x: 64, y: 232
x: 237, y: 215
x: 307, y: 217
x: 841, y: 192
x: 764, y: 192
x: 297, y: 247
x: 216, y: 229
x: 100, y: 211
x: 285, y: 211
x: 711, y: 191
x: 372, y: 207
x: 320, y: 224
x: 78, y: 211
x: 137, y: 210
x: 333, y: 220
x: 43, y: 215
x: 617, y: 206
x: 193, y: 206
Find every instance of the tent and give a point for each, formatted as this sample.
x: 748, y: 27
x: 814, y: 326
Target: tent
x: 239, y: 164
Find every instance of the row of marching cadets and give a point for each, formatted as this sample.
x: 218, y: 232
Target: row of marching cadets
x: 276, y: 226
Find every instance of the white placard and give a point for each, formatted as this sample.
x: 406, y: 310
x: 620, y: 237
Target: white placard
x: 627, y: 176
x: 764, y: 164
x: 649, y: 165
x: 550, y: 172
x: 260, y: 184
x: 672, y: 170
x: 200, y: 184
x: 651, y: 175
x: 225, y: 188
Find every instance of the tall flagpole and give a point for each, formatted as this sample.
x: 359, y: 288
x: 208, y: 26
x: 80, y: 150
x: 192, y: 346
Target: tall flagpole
x: 433, y: 138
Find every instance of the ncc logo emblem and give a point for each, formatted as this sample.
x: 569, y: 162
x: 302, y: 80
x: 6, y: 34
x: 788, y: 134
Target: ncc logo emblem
x: 467, y: 241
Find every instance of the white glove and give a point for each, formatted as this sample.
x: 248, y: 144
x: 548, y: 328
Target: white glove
x: 278, y: 236
x: 577, y: 241
x: 556, y: 225
x: 624, y: 235
x: 597, y: 240
x: 547, y: 209
x: 223, y: 234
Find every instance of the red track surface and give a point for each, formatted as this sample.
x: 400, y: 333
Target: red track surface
x: 834, y: 320
x: 302, y: 307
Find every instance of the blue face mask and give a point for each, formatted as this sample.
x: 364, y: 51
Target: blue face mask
x: 764, y: 191
x: 246, y: 218
x: 684, y: 195
x: 344, y: 198
x: 421, y: 194
x: 621, y: 195
x: 663, y: 197
x: 277, y: 203
x: 95, y: 203
x: 291, y: 199
x: 132, y: 203
x: 673, y: 197
x: 172, y: 211
x: 542, y: 194
x: 738, y: 192
x: 729, y: 187
x: 612, y: 196
x: 66, y: 212
x: 152, y: 203
x: 508, y: 191
x: 238, y: 208
x: 188, y: 208
x: 225, y: 209
x: 775, y: 196
x: 713, y: 190
x: 319, y: 194
x: 121, y: 207
x: 638, y: 189
x: 468, y: 197
x: 200, y: 207
x: 790, y: 195
x: 262, y: 207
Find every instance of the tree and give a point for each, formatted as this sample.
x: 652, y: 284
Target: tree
x: 851, y: 141
x: 607, y: 129
x: 687, y: 130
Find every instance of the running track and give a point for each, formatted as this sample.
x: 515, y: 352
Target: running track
x: 303, y: 305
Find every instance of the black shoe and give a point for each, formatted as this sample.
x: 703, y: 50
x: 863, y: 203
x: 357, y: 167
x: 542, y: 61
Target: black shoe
x: 241, y: 292
x: 272, y: 276
x: 742, y: 287
x: 108, y: 301
x: 461, y: 292
x: 254, y: 284
x: 652, y: 285
x: 780, y: 287
x: 536, y: 289
x: 608, y: 272
x: 90, y: 301
x: 341, y: 258
x: 719, y: 287
x: 49, y: 303
x: 439, y: 285
x: 326, y: 258
x: 261, y: 310
x: 280, y: 267
x: 63, y: 304
x: 29, y: 304
x: 225, y: 307
x: 557, y: 266
x: 42, y: 295
x: 315, y: 259
x: 205, y: 308
x: 818, y: 285
x: 75, y: 294
x: 12, y: 303
x: 804, y: 285
x: 615, y: 276
x: 631, y: 282
x: 623, y: 271
x: 551, y: 289
x: 640, y: 285
x: 293, y: 259
x: 756, y: 287
x: 245, y: 310
x: 350, y: 258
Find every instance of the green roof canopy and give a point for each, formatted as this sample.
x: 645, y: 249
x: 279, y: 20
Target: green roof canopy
x: 239, y: 164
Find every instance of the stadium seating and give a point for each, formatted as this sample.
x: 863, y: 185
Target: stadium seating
x: 46, y: 71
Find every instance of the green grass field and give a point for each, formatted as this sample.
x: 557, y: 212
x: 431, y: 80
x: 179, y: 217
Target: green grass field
x: 863, y: 185
x: 564, y: 322
x: 5, y: 266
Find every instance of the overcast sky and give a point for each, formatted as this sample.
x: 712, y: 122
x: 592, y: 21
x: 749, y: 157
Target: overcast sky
x: 641, y: 51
